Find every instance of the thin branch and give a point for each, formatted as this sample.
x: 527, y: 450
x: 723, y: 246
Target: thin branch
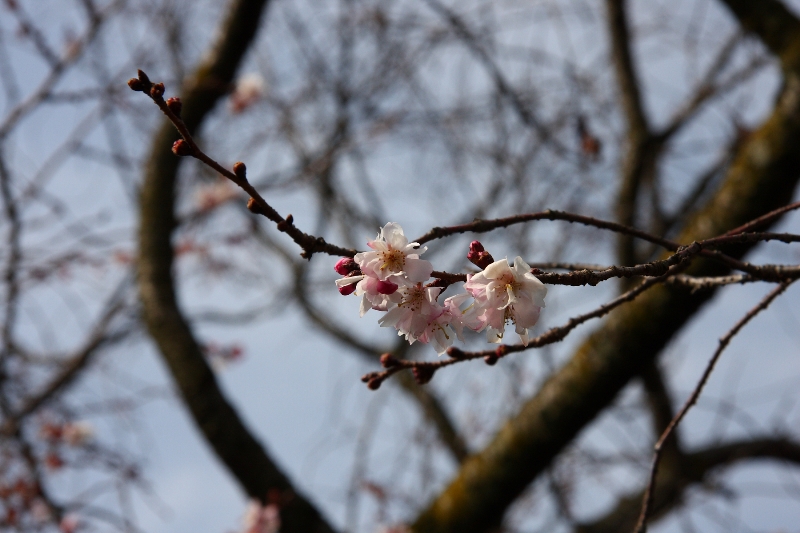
x: 483, y: 226
x: 765, y: 219
x: 694, y: 468
x: 257, y: 204
x: 647, y: 503
x: 424, y: 370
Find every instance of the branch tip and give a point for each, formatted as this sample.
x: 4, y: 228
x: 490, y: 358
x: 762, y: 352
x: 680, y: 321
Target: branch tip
x: 240, y: 170
x: 389, y: 361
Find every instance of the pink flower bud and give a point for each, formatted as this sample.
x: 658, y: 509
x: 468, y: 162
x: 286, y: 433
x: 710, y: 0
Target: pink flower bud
x: 478, y: 256
x: 386, y: 287
x: 345, y: 265
x: 344, y: 290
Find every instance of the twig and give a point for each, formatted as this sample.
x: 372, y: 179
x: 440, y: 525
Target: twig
x: 424, y: 370
x: 649, y: 495
x: 257, y: 204
x: 482, y: 226
x: 764, y: 219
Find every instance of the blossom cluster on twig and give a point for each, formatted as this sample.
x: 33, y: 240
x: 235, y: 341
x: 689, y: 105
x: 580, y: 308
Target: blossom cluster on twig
x: 391, y: 278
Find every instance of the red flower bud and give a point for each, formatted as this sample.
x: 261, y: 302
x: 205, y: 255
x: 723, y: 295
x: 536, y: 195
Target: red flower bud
x: 344, y: 290
x: 345, y: 265
x: 478, y: 256
x: 386, y: 287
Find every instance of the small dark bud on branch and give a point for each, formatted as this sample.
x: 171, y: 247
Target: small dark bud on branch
x: 143, y: 78
x: 285, y: 224
x: 175, y: 105
x: 388, y: 361
x: 490, y: 360
x: 240, y: 170
x: 423, y: 374
x: 374, y: 384
x: 253, y: 207
x: 157, y: 90
x: 136, y: 85
x: 455, y: 353
x: 478, y: 256
x: 181, y: 148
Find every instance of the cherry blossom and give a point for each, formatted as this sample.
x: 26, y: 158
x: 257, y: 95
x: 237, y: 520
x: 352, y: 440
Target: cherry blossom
x: 503, y: 293
x: 390, y: 279
x: 394, y: 258
x: 419, y: 317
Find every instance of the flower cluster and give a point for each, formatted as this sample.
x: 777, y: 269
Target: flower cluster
x: 392, y: 279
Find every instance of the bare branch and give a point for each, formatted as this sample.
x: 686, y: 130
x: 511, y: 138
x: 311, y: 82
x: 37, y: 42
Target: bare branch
x: 647, y: 503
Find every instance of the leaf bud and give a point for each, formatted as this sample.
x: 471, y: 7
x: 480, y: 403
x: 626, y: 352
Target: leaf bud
x: 136, y: 85
x: 455, y: 353
x: 423, y: 374
x: 157, y: 90
x: 143, y: 78
x: 388, y: 361
x: 253, y: 207
x: 240, y: 170
x: 175, y: 105
x: 181, y: 148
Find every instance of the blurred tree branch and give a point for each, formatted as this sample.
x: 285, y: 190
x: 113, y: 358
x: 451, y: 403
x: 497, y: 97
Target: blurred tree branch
x: 694, y: 469
x: 762, y: 177
x: 220, y: 424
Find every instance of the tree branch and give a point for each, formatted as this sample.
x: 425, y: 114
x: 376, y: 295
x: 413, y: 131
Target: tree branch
x: 642, y: 148
x: 694, y: 469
